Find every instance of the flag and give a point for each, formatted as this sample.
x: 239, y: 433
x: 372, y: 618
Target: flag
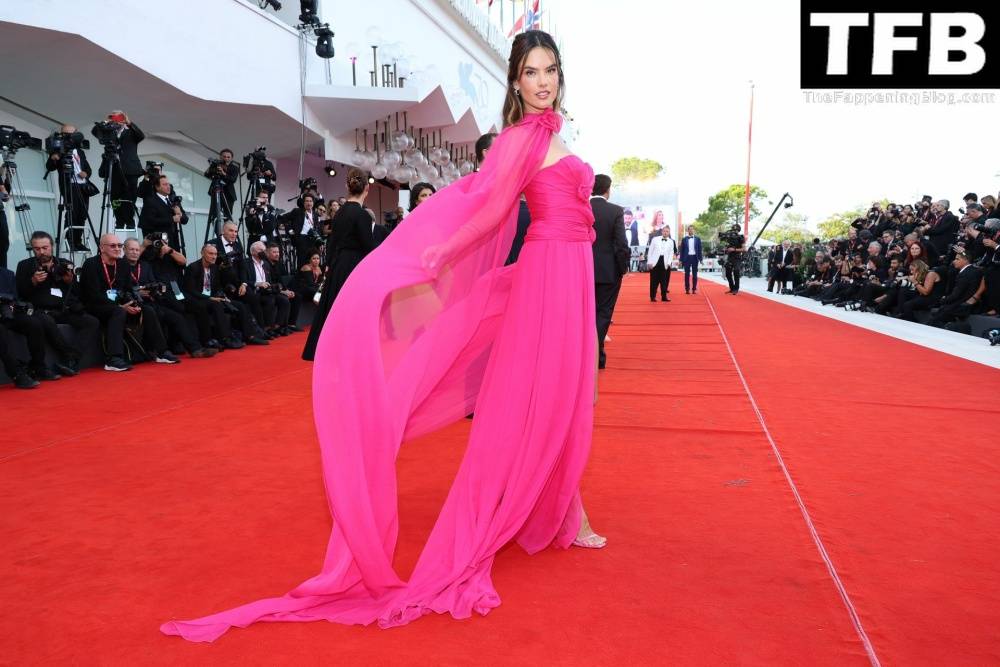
x: 529, y: 20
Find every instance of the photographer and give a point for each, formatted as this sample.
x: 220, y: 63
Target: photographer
x: 11, y: 365
x: 109, y: 293
x: 819, y: 279
x: 68, y: 159
x: 160, y: 297
x: 964, y: 295
x: 973, y: 232
x: 301, y: 225
x: 781, y: 261
x: 735, y: 246
x: 4, y: 229
x: 121, y: 137
x: 274, y: 304
x: 943, y: 230
x: 261, y: 218
x: 881, y: 281
x: 17, y: 315
x: 202, y: 285
x: 990, y: 264
x: 281, y: 276
x: 162, y: 212
x: 260, y: 171
x: 223, y: 173
x: 50, y: 285
x: 922, y: 291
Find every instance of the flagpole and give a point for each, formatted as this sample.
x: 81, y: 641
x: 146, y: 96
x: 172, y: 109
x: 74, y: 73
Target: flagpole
x: 746, y: 194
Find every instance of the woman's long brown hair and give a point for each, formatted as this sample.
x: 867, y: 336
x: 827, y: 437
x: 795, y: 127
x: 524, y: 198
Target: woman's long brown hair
x: 513, y: 107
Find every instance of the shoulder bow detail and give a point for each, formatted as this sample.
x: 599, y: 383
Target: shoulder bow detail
x: 548, y: 119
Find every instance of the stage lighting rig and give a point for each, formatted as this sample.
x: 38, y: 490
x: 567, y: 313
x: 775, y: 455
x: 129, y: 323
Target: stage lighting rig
x: 331, y: 169
x: 309, y: 13
x: 263, y: 4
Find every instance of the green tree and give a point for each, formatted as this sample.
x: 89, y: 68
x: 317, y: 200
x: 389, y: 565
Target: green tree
x: 837, y: 225
x: 793, y: 227
x: 635, y: 169
x: 725, y: 208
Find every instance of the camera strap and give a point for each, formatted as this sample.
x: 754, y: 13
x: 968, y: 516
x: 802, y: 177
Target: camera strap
x: 137, y: 274
x: 110, y: 277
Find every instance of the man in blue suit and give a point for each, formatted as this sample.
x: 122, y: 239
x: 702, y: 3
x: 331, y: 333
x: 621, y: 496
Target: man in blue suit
x: 690, y: 259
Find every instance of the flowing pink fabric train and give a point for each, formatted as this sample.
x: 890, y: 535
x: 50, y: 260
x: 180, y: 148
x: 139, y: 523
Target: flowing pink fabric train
x: 403, y: 353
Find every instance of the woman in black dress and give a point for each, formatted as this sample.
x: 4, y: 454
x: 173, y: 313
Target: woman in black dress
x: 349, y: 242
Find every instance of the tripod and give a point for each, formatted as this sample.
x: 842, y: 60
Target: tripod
x: 112, y: 157
x: 67, y: 209
x: 220, y: 206
x: 22, y: 210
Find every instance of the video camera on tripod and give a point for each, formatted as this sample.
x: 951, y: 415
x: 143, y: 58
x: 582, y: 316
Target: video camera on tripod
x: 12, y: 140
x: 65, y: 143
x: 256, y: 164
x: 153, y: 168
x: 107, y: 133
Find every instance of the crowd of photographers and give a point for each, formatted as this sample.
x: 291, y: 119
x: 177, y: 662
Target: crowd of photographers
x: 916, y: 262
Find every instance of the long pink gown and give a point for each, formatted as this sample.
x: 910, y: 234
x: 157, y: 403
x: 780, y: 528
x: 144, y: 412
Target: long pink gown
x: 405, y: 352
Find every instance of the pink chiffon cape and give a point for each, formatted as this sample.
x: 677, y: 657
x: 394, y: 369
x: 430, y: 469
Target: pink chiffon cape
x: 404, y: 352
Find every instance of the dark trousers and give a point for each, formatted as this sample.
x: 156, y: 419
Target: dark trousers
x: 123, y: 195
x: 294, y: 304
x: 83, y: 323
x: 912, y: 302
x: 949, y: 313
x: 4, y: 237
x: 75, y: 215
x: 659, y: 277
x: 605, y: 295
x: 115, y: 320
x: 227, y: 212
x: 176, y: 325
x: 778, y: 275
x: 691, y: 276
x: 733, y: 275
x: 210, y: 318
x: 37, y: 329
x: 11, y: 366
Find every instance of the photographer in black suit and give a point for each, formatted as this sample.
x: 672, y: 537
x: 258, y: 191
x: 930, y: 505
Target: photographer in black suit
x: 302, y: 224
x: 611, y: 257
x: 261, y: 219
x: 942, y: 231
x: 161, y: 298
x: 781, y: 259
x: 280, y: 275
x: 735, y: 246
x: 75, y: 173
x: 126, y: 171
x: 162, y: 212
x: 235, y: 275
x: 16, y: 315
x: 4, y: 229
x: 274, y: 304
x: 965, y: 292
x: 50, y: 285
x: 227, y: 172
x: 107, y: 287
x: 204, y: 293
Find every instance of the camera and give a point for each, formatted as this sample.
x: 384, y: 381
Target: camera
x: 158, y: 240
x: 106, y: 132
x: 732, y: 238
x: 128, y: 296
x: 993, y: 335
x: 12, y: 139
x: 256, y: 156
x: 156, y: 290
x: 153, y: 168
x: 10, y: 307
x: 391, y: 219
x: 65, y: 142
x: 174, y: 200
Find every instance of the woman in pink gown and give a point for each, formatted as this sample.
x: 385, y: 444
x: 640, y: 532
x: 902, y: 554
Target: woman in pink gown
x: 431, y: 326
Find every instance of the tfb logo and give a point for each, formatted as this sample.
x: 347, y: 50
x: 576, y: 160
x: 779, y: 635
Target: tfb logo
x: 922, y: 45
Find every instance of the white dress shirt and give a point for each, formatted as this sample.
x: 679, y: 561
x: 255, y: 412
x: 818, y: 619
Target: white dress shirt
x: 691, y: 250
x: 660, y: 246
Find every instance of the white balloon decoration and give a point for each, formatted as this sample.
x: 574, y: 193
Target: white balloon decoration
x: 379, y: 171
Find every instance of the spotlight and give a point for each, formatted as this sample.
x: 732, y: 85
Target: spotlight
x: 309, y: 15
x: 273, y: 3
x: 331, y: 170
x: 324, y: 41
x: 790, y: 201
x: 371, y: 180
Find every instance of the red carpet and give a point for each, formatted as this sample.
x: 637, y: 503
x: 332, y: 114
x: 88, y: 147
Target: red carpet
x: 175, y: 492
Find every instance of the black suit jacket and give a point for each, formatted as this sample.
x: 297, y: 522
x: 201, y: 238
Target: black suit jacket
x: 523, y: 222
x: 129, y: 139
x: 943, y: 233
x: 53, y: 165
x: 611, y: 249
x: 94, y: 284
x: 232, y: 175
x: 194, y: 277
x: 157, y: 217
x: 295, y: 219
x: 41, y: 295
x: 965, y: 286
x: 238, y: 273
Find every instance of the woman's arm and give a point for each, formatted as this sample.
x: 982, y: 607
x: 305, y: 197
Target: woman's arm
x: 928, y: 285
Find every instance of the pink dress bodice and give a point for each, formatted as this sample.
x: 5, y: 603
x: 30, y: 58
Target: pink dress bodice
x: 559, y: 201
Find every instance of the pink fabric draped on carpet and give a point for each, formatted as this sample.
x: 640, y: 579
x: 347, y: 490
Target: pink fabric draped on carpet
x: 404, y: 352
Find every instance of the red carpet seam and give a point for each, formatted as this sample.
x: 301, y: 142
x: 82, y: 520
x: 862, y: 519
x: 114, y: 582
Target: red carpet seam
x: 852, y: 612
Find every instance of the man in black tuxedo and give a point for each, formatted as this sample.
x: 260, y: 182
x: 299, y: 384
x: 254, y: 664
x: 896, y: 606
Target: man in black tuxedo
x: 965, y: 292
x: 228, y: 172
x: 236, y: 275
x: 781, y: 259
x: 631, y: 227
x: 301, y: 223
x: 203, y: 289
x: 36, y: 329
x: 106, y: 284
x: 690, y: 252
x: 944, y: 230
x: 128, y: 169
x: 274, y: 305
x: 261, y: 219
x: 76, y: 201
x: 611, y: 257
x: 161, y: 214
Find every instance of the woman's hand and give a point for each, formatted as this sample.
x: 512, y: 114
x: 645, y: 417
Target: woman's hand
x: 432, y: 259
